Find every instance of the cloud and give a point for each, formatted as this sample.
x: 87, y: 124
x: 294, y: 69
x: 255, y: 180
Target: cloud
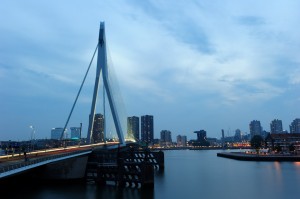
x: 193, y: 67
x: 197, y: 54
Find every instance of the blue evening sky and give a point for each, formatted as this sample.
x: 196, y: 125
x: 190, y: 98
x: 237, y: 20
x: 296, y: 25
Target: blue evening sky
x: 193, y: 65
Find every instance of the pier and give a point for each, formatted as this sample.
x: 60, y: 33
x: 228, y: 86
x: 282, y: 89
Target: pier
x: 127, y: 167
x: 259, y: 157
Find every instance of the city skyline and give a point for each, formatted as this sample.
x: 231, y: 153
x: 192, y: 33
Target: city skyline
x: 192, y: 65
x: 133, y: 129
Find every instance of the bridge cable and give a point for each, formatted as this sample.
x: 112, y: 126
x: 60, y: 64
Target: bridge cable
x: 62, y: 134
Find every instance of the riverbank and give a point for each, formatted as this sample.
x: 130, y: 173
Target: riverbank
x: 260, y: 157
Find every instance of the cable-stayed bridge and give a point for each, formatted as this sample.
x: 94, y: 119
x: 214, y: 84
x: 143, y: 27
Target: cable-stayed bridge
x: 98, y: 160
x: 106, y: 80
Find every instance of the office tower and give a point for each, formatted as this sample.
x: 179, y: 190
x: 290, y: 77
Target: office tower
x: 181, y: 140
x: 276, y: 126
x: 56, y: 133
x: 147, y: 129
x: 98, y: 128
x: 255, y: 128
x: 238, y: 135
x: 201, y: 135
x: 133, y: 128
x: 295, y: 126
x: 165, y: 136
x: 75, y: 132
x: 223, y: 137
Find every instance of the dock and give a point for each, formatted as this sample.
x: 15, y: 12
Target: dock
x: 259, y: 157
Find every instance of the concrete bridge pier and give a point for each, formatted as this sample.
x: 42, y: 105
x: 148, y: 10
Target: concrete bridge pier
x: 124, y: 167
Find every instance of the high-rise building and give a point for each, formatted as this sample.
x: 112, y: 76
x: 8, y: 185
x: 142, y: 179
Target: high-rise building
x: 98, y: 128
x: 295, y: 126
x: 165, y: 138
x: 201, y: 135
x: 181, y: 140
x: 75, y: 132
x: 255, y: 128
x: 147, y: 135
x: 133, y: 127
x: 276, y: 126
x: 223, y: 138
x: 238, y: 135
x: 56, y: 133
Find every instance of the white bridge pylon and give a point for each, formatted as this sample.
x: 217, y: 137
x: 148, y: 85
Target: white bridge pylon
x: 103, y: 67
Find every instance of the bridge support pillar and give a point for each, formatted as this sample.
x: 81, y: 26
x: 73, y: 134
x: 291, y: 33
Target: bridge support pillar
x: 160, y: 157
x: 125, y: 167
x: 147, y: 175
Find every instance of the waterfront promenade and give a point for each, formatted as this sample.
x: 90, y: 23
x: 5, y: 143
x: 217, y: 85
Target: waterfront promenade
x: 259, y: 157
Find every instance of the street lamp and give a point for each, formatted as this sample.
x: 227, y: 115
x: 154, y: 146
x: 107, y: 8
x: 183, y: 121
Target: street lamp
x: 32, y: 132
x: 32, y: 136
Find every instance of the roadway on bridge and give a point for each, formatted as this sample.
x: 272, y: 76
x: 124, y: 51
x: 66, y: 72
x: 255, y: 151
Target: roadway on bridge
x: 17, y: 159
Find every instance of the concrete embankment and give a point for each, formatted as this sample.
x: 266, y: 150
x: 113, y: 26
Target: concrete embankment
x: 256, y: 157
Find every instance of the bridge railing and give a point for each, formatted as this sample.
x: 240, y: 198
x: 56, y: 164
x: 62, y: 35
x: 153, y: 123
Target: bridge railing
x: 34, y: 161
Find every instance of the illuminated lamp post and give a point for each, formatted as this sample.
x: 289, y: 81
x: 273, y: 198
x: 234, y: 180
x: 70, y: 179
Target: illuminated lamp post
x: 32, y: 136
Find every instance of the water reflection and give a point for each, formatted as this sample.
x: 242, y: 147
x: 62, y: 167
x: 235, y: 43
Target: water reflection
x: 80, y: 191
x: 297, y: 164
x: 277, y: 167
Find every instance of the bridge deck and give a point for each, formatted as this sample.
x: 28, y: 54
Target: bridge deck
x: 12, y: 164
x: 18, y: 163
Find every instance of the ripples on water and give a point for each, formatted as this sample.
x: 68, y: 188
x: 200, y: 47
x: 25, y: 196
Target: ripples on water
x: 190, y: 174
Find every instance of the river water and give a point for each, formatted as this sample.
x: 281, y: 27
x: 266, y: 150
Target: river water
x: 190, y: 174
